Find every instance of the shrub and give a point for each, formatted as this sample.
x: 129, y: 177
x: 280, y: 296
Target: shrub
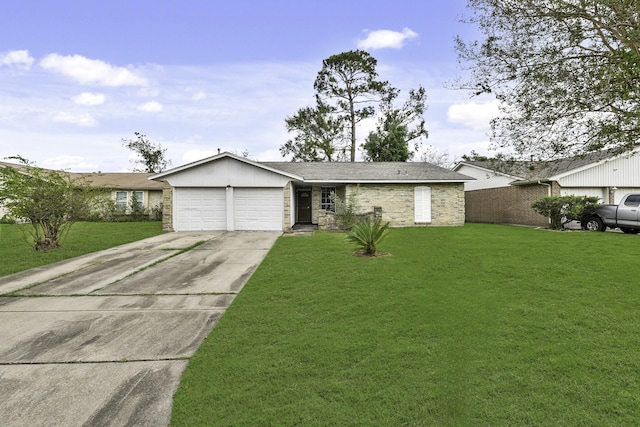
x: 346, y: 211
x: 564, y: 209
x: 367, y: 235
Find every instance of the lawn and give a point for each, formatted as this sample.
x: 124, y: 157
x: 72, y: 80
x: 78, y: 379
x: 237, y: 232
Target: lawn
x: 84, y: 237
x: 469, y: 326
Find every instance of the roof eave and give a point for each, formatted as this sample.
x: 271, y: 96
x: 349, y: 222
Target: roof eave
x: 385, y: 181
x: 158, y: 176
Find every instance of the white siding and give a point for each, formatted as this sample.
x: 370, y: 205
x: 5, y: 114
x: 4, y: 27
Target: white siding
x: 601, y: 193
x: 227, y: 172
x: 484, y: 178
x: 620, y: 172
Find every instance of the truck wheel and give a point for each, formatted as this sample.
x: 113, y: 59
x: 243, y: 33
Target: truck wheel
x: 630, y: 230
x: 595, y: 224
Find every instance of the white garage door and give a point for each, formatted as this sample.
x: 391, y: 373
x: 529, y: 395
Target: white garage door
x: 200, y: 209
x: 258, y: 208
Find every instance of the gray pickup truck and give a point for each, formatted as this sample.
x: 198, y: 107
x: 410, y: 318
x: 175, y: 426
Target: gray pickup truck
x: 624, y: 216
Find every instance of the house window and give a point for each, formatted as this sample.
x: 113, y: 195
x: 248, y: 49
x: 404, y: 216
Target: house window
x: 422, y: 204
x: 137, y: 197
x: 121, y: 200
x: 328, y: 199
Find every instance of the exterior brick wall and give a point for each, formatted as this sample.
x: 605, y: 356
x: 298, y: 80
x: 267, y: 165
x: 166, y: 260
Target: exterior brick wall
x: 167, y: 207
x: 507, y: 205
x: 397, y: 203
x: 287, y: 207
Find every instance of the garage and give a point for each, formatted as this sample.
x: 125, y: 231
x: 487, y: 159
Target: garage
x: 200, y: 209
x: 206, y: 209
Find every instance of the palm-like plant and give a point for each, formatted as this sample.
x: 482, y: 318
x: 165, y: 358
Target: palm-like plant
x: 367, y: 235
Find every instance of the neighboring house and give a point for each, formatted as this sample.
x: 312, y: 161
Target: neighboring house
x: 121, y: 187
x: 228, y: 192
x: 124, y: 187
x: 504, y: 191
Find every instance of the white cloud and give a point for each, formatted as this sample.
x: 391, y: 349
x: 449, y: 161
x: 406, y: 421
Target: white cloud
x: 477, y: 116
x: 151, y: 107
x: 382, y: 39
x: 84, y: 119
x: 68, y: 162
x: 199, y: 96
x: 89, y: 99
x: 19, y: 58
x: 91, y: 71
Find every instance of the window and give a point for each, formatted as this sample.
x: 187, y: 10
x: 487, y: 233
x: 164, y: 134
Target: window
x: 422, y: 204
x: 328, y: 199
x: 121, y: 200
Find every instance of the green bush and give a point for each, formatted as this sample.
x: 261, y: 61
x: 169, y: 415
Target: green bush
x: 564, y: 209
x: 367, y: 235
x: 346, y: 210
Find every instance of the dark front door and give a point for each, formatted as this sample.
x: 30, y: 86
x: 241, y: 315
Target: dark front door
x: 304, y: 205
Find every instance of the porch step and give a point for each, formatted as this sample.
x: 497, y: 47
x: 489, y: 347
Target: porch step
x: 304, y: 227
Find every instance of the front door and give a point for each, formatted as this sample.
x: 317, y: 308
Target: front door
x: 303, y: 203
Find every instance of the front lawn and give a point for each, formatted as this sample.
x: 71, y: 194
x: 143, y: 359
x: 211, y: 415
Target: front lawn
x: 84, y: 237
x: 471, y: 326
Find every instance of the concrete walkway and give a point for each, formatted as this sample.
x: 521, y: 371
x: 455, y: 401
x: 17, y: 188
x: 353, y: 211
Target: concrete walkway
x: 103, y: 339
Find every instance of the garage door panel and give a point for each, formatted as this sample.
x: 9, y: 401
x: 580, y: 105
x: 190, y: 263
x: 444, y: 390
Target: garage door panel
x: 200, y: 209
x: 258, y: 208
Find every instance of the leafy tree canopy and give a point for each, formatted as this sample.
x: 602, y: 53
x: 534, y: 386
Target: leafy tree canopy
x: 151, y: 157
x: 347, y: 91
x: 396, y: 129
x: 566, y: 74
x: 51, y: 201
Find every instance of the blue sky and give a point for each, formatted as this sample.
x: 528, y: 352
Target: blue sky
x: 76, y: 77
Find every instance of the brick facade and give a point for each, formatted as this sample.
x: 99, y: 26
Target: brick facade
x: 396, y: 203
x: 508, y: 205
x: 167, y: 207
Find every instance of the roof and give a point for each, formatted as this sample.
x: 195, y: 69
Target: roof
x: 369, y: 171
x: 342, y: 172
x: 121, y: 180
x: 109, y: 180
x: 529, y: 171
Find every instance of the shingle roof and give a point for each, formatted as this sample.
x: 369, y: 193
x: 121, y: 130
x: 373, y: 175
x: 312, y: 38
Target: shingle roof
x: 529, y: 171
x: 368, y: 171
x: 121, y: 180
x: 109, y: 180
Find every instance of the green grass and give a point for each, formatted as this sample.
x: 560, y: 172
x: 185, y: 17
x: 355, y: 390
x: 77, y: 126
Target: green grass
x: 84, y: 237
x: 481, y: 325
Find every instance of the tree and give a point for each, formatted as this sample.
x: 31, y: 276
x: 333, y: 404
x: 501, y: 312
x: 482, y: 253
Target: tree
x: 152, y: 156
x: 316, y: 130
x: 51, y: 201
x: 390, y: 141
x: 434, y: 156
x: 347, y: 91
x: 566, y: 74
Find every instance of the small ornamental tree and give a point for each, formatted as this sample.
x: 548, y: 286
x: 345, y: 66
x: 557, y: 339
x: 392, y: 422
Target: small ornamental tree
x: 564, y: 209
x: 51, y: 201
x: 367, y: 235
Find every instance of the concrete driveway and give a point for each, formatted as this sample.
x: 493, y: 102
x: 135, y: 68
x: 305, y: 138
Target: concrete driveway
x: 103, y: 339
